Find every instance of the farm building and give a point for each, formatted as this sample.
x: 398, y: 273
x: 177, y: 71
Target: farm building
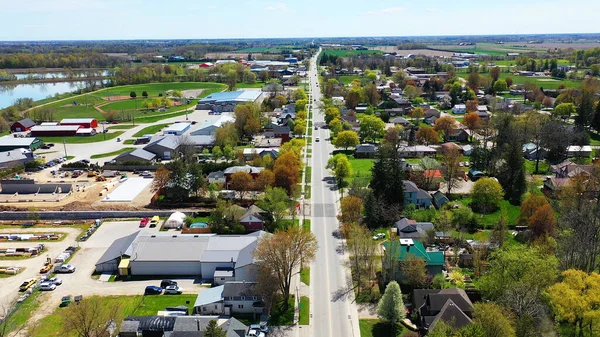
x: 54, y: 130
x: 83, y: 122
x: 177, y: 129
x: 29, y: 186
x: 203, y: 255
x: 85, y: 132
x: 22, y: 125
x: 8, y: 143
x: 227, y: 101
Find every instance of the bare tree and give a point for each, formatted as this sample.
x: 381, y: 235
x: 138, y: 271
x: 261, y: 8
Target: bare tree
x: 363, y: 250
x: 90, y: 318
x: 451, y: 168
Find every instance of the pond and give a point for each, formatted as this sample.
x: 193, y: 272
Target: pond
x: 60, y: 75
x: 37, y: 91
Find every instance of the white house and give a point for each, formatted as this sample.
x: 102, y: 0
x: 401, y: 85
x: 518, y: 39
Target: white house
x: 459, y: 109
x: 229, y: 298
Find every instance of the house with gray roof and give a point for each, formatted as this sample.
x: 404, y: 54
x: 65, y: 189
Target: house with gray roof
x: 365, y: 151
x: 416, y: 196
x: 400, y: 121
x: 16, y: 157
x: 137, y: 155
x: 164, y: 147
x: 411, y: 229
x: 217, y: 177
x: 451, y: 306
x: 229, y: 299
x: 178, y: 326
x: 252, y: 170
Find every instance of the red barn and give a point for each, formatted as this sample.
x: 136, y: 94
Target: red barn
x: 83, y: 122
x: 22, y: 125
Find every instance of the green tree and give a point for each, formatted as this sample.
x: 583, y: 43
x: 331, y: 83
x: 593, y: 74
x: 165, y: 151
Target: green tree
x: 132, y: 94
x: 371, y: 128
x: 493, y: 320
x: 486, y: 195
x: 145, y: 94
x: 214, y: 330
x: 217, y: 152
x: 585, y: 108
x: 340, y: 165
x: 275, y: 201
x: 410, y: 92
x: 391, y: 307
x: 346, y: 139
x: 495, y: 74
x: 331, y: 113
x: 335, y: 126
x: 512, y: 172
x: 299, y: 94
x: 500, y: 86
x: 300, y: 127
x: 353, y: 97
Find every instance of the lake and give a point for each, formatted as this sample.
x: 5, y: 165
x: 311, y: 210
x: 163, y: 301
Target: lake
x: 58, y: 75
x: 37, y: 91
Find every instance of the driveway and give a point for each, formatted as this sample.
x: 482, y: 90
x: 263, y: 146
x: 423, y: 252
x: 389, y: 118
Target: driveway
x: 9, y: 287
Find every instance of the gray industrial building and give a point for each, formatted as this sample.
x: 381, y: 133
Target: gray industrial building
x: 28, y: 186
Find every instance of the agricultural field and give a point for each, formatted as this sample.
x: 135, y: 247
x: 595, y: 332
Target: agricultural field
x: 489, y: 49
x: 544, y: 82
x: 99, y: 137
x: 345, y: 53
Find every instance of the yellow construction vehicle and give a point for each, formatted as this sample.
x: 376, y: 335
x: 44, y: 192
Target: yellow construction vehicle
x: 92, y: 174
x: 100, y: 178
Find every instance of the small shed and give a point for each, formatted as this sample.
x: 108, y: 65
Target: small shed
x: 175, y: 220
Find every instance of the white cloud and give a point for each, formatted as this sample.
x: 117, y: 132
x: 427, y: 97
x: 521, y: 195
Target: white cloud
x: 279, y: 7
x: 431, y: 10
x: 388, y: 11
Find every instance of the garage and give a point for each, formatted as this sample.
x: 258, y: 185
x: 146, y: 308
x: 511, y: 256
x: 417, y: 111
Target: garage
x: 120, y: 248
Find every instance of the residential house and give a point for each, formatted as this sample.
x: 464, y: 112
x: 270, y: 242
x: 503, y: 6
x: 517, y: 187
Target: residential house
x: 532, y: 152
x: 439, y: 199
x: 553, y: 185
x: 416, y: 196
x: 459, y: 109
x: 178, y: 326
x: 365, y: 151
x: 467, y: 149
x: 253, y: 219
x: 263, y: 142
x: 396, y: 111
x: 137, y: 155
x: 251, y: 153
x: 432, y: 113
x: 482, y: 111
x: 288, y: 111
x: 568, y: 169
x: 231, y: 298
x: 22, y: 125
x: 164, y: 147
x: 579, y: 151
x: 430, y: 120
x: 217, y: 177
x: 411, y: 229
x: 458, y: 135
x: 253, y: 171
x: 449, y: 146
x: 452, y: 306
x: 417, y: 151
x: 400, y: 121
x: 405, y: 249
x: 475, y: 175
x: 282, y: 132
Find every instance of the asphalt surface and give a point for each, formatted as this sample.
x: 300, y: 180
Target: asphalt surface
x: 333, y: 310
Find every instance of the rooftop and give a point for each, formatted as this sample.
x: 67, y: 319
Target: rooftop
x: 12, y: 141
x: 77, y: 120
x: 232, y: 96
x: 55, y: 128
x: 177, y: 127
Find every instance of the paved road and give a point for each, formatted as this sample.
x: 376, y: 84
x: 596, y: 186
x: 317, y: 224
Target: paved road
x: 332, y: 307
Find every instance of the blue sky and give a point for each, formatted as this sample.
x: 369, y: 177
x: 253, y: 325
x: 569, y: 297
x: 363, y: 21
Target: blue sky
x: 165, y: 19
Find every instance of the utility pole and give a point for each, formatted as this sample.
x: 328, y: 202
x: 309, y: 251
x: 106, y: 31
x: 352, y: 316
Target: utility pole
x: 65, y: 146
x: 103, y: 133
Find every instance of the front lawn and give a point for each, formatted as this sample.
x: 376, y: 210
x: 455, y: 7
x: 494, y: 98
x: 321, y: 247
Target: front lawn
x: 304, y: 318
x: 489, y: 220
x: 376, y: 328
x: 544, y: 167
x: 361, y: 168
x: 305, y: 275
x: 22, y: 313
x: 281, y: 317
x: 308, y: 175
x: 150, y: 130
x: 114, y: 153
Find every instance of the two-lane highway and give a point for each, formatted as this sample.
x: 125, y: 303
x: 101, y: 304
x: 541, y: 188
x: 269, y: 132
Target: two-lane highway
x: 333, y: 312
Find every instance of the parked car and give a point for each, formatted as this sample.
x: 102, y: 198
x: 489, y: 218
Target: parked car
x: 55, y: 280
x: 143, y: 222
x: 146, y: 174
x: 27, y: 284
x: 50, y: 144
x: 167, y: 283
x: 66, y: 300
x: 154, y: 221
x: 379, y: 236
x: 85, y: 161
x: 47, y: 286
x: 46, y: 268
x: 317, y: 139
x: 152, y: 290
x: 66, y: 268
x: 255, y: 333
x: 262, y: 327
x: 173, y: 290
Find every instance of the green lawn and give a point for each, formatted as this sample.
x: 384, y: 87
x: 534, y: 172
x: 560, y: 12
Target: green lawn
x: 304, y: 318
x: 154, y: 89
x: 305, y: 276
x: 545, y: 82
x: 114, y: 153
x: 308, y: 174
x: 150, y: 130
x: 347, y: 79
x: 22, y: 313
x: 50, y: 326
x: 121, y: 127
x: 361, y: 168
x: 254, y: 85
x: 306, y: 224
x: 129, y: 142
x: 307, y: 192
x: 594, y: 138
x: 544, y: 167
x: 489, y: 220
x: 82, y: 139
x: 375, y: 328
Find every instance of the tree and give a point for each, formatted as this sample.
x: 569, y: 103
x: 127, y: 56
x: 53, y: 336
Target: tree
x: 287, y: 171
x: 509, y: 81
x: 226, y: 135
x: 528, y: 87
x: 495, y: 74
x: 543, y: 222
x: 371, y: 94
x: 472, y: 121
x: 247, y: 119
x: 399, y: 76
x: 346, y: 139
x: 241, y: 182
x: 282, y: 253
x: 410, y: 92
x: 576, y: 299
x: 300, y: 127
x: 214, y: 330
x: 391, y: 307
x: 500, y: 86
x: 335, y: 126
x: 231, y: 80
x: 471, y: 106
x: 498, y: 235
x: 444, y: 125
x: 90, y: 318
x: 451, y: 168
x: 265, y: 179
x: 162, y: 177
x: 299, y: 94
x: 145, y: 94
x: 363, y: 251
x: 340, y: 165
x: 331, y: 113
x: 417, y: 114
x: 493, y: 320
x: 132, y: 94
x: 351, y: 210
x: 455, y: 92
x: 518, y: 265
x: 384, y: 204
x: 371, y: 127
x: 427, y: 135
x: 275, y: 202
x: 585, y: 108
x: 414, y: 272
x: 486, y: 195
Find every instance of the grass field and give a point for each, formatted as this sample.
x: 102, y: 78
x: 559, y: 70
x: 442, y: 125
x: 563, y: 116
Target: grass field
x: 129, y: 142
x: 306, y: 224
x: 99, y: 137
x: 121, y: 127
x: 489, y: 220
x: 150, y: 130
x: 544, y: 167
x: 344, y: 53
x: 376, y: 328
x: 305, y: 275
x: 51, y: 326
x: 23, y: 313
x: 114, y: 153
x: 544, y: 82
x: 254, y: 85
x: 304, y: 317
x: 347, y: 79
x: 270, y: 50
x: 308, y: 175
x: 361, y: 168
x: 85, y: 104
